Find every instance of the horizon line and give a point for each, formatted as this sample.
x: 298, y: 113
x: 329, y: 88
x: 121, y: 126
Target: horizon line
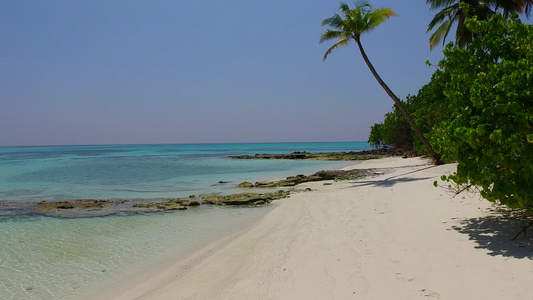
x: 156, y: 144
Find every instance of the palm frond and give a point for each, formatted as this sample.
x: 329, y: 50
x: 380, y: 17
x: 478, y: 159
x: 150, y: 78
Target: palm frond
x: 440, y: 34
x: 331, y: 34
x: 442, y: 15
x: 452, y: 20
x: 463, y: 36
x: 378, y: 16
x: 340, y: 43
x: 344, y: 7
x: 527, y: 9
x: 333, y: 21
x: 513, y: 6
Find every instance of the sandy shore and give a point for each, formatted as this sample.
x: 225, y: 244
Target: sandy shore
x: 392, y: 236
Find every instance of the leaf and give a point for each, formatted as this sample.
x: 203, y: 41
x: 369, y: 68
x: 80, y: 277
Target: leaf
x: 496, y: 135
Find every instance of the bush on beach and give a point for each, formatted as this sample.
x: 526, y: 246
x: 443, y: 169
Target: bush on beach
x: 478, y: 111
x: 489, y: 86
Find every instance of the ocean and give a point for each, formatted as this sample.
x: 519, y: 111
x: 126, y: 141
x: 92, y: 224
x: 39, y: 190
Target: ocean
x: 43, y: 257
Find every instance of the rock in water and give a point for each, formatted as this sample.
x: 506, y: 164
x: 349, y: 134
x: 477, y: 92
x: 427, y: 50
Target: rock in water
x: 244, y: 198
x: 245, y: 184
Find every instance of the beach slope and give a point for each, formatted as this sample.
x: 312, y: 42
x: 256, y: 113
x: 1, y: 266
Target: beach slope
x: 392, y: 236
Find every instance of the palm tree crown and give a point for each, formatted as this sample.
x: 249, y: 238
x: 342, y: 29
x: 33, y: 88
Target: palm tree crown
x: 361, y: 19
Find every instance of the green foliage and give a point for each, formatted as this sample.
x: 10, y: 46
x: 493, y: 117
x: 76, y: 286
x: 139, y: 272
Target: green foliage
x: 375, y: 139
x: 428, y: 109
x: 489, y: 88
x: 456, y: 12
x: 394, y: 132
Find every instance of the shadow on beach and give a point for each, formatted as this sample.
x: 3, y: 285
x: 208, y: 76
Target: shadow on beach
x: 503, y: 232
x: 386, y: 182
x: 391, y: 181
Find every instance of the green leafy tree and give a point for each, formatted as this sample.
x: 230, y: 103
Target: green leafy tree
x: 397, y: 132
x: 375, y: 139
x: 429, y: 107
x: 394, y: 132
x: 490, y: 90
x: 354, y: 22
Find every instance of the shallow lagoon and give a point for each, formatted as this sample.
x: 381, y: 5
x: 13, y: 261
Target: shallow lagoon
x: 64, y: 258
x: 57, y: 258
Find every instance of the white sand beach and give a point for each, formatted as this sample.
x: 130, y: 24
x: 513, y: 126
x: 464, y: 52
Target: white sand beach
x: 392, y: 236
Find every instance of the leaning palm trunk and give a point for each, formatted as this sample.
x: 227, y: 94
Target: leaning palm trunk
x: 356, y: 22
x: 400, y: 106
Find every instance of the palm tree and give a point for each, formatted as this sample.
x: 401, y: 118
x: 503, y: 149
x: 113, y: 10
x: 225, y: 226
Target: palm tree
x: 363, y: 18
x: 451, y: 14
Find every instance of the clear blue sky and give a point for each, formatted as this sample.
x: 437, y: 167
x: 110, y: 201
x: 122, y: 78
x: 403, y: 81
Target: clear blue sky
x: 131, y: 71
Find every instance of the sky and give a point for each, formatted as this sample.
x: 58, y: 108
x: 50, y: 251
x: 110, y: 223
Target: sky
x: 180, y: 71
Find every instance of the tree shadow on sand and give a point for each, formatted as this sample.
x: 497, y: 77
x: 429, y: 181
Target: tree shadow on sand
x: 391, y: 181
x: 503, y: 232
x: 387, y: 182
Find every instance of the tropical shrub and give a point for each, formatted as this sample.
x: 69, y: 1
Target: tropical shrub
x: 375, y: 139
x: 489, y: 87
x: 395, y: 132
x: 429, y: 107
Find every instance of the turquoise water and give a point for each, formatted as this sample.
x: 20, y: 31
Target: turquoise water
x: 145, y: 171
x: 65, y: 258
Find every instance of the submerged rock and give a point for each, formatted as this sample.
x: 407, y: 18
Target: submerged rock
x: 244, y: 198
x: 245, y: 184
x: 172, y: 204
x: 336, y: 175
x: 44, y: 206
